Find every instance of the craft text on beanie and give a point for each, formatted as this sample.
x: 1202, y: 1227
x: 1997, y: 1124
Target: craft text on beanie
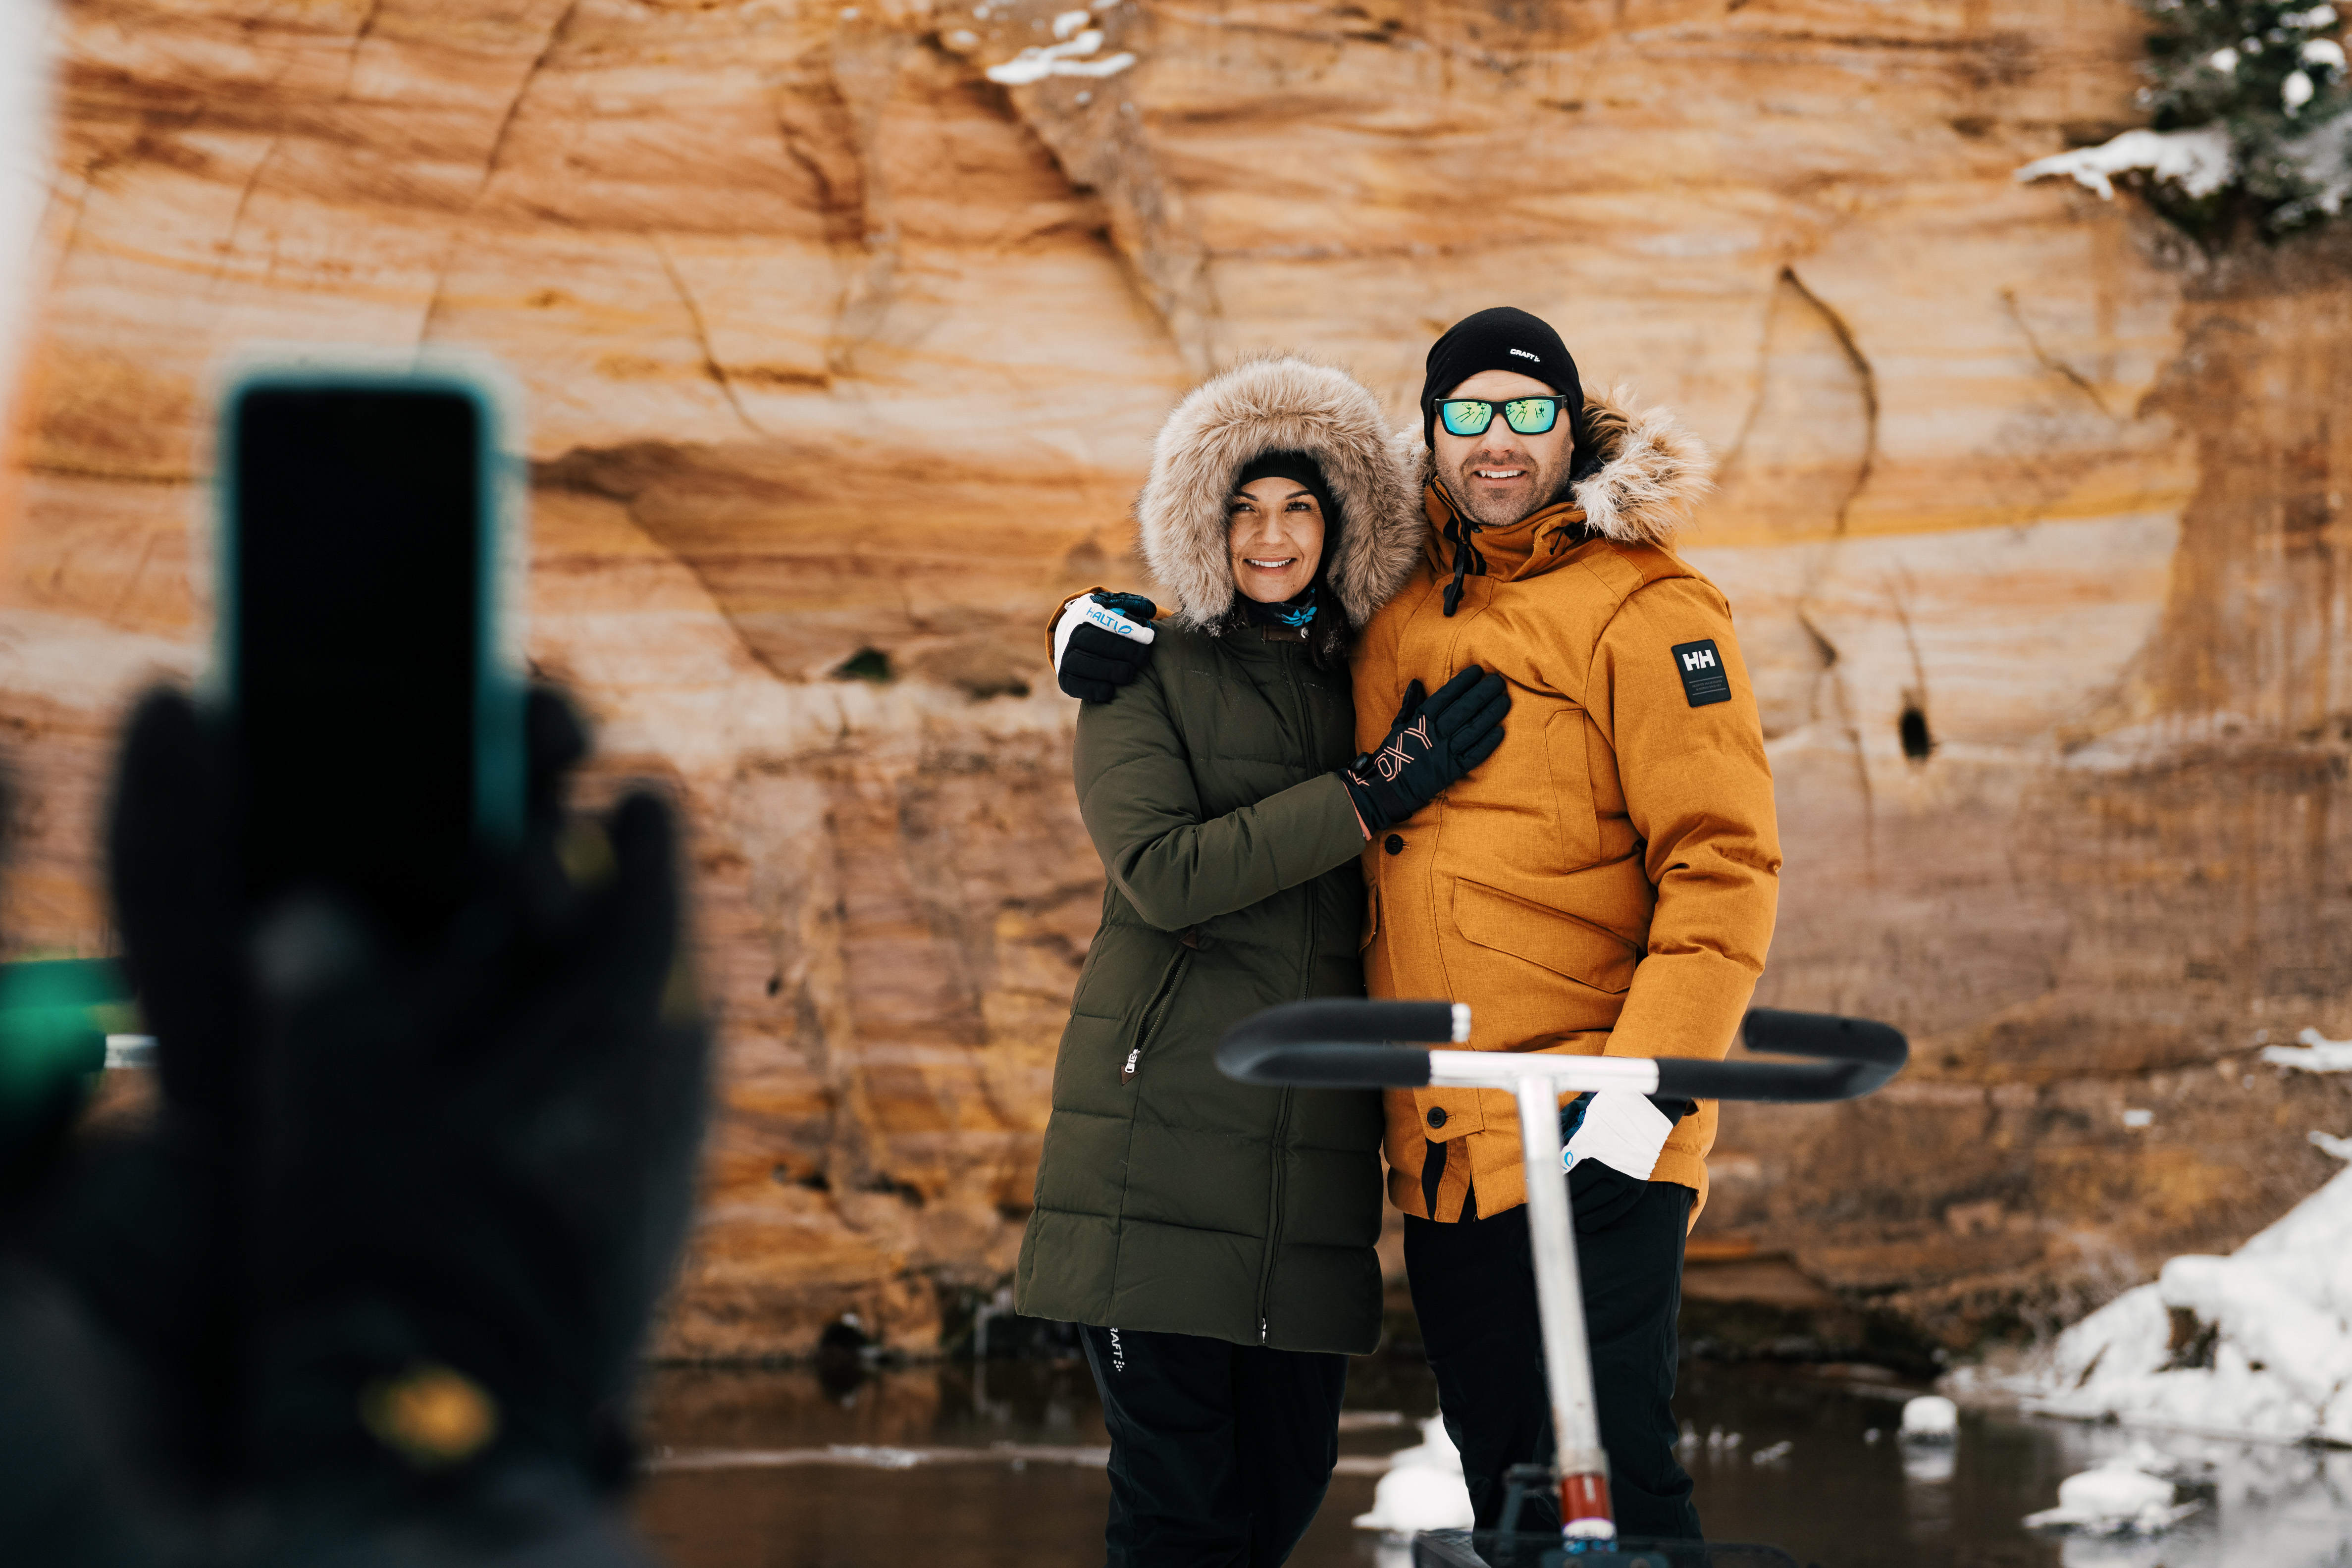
x: 1502, y: 338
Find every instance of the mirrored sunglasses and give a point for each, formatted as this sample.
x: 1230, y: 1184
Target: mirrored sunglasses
x: 1471, y: 416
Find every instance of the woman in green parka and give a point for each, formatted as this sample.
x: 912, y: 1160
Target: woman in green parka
x: 1214, y: 1240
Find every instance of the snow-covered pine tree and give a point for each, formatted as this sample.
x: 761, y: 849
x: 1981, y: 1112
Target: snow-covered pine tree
x: 2271, y: 76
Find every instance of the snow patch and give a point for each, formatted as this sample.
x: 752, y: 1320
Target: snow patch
x: 1423, y: 1489
x: 2130, y: 1494
x: 1931, y: 1419
x: 2318, y: 1053
x: 1068, y: 57
x: 2199, y: 160
x: 2256, y: 1345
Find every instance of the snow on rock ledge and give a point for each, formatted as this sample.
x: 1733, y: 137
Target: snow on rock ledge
x: 2256, y: 1345
x: 2316, y: 1053
x: 2198, y: 160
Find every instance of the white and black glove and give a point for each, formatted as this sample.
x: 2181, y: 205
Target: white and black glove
x: 1102, y: 641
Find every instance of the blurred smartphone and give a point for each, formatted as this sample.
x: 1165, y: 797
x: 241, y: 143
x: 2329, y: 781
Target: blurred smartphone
x: 362, y: 660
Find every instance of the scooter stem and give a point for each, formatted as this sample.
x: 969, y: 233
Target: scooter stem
x: 1584, y: 1513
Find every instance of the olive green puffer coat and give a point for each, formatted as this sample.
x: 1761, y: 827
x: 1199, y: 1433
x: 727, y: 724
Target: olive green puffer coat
x: 1169, y: 1197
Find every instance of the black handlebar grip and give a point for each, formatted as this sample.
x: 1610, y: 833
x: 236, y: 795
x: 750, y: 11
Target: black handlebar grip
x: 1329, y: 1043
x: 1327, y: 1066
x: 1860, y: 1057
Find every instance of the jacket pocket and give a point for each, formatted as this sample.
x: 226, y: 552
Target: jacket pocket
x: 1371, y: 918
x: 1559, y: 943
x: 1565, y: 737
x: 1156, y: 1011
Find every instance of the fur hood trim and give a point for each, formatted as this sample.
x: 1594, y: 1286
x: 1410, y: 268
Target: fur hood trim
x: 1272, y: 405
x: 1653, y: 473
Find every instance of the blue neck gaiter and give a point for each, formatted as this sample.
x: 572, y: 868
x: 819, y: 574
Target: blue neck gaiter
x: 1293, y: 612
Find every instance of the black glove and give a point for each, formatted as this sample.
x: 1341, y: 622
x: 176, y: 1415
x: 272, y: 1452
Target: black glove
x: 474, y: 1173
x: 171, y: 1240
x: 1093, y: 661
x: 1433, y: 743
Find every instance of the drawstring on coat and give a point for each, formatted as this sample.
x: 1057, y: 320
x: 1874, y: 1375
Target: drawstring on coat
x: 1466, y: 558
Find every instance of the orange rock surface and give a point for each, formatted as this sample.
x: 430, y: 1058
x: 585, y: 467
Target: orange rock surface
x: 830, y: 344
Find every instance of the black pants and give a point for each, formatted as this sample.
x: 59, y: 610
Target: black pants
x: 1473, y: 1288
x: 1219, y: 1453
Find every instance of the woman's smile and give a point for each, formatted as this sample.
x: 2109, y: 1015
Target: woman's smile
x: 1277, y: 539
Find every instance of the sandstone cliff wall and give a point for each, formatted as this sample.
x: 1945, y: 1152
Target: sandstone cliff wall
x: 832, y: 344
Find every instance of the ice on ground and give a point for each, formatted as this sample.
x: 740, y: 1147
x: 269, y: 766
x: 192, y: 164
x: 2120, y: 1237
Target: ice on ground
x: 1423, y: 1489
x: 2255, y: 1345
x: 2318, y: 1053
x: 2199, y: 160
x: 1930, y: 1419
x: 2130, y: 1494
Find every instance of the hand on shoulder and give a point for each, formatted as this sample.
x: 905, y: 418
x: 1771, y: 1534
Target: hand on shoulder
x: 1102, y: 641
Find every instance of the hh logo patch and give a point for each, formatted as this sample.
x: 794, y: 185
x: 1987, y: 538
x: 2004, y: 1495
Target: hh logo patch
x: 1703, y: 677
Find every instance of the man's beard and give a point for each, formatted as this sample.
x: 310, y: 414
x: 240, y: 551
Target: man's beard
x: 1490, y: 511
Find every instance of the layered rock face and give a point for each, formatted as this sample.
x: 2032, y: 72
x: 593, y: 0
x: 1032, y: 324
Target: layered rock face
x: 839, y: 356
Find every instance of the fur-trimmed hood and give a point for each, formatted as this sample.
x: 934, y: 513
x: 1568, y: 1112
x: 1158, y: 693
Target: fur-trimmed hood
x: 1273, y: 404
x: 1652, y: 472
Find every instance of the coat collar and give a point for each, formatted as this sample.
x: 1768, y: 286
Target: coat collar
x: 1527, y: 548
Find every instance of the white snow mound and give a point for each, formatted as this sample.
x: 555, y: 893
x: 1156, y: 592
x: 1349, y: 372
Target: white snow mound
x: 1930, y: 1419
x: 2199, y: 160
x: 2120, y: 1496
x: 2263, y: 1348
x: 1423, y: 1489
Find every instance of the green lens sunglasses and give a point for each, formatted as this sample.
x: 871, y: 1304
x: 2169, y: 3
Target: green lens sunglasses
x: 1471, y: 416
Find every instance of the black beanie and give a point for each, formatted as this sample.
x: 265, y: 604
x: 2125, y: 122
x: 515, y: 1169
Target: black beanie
x: 1503, y: 338
x: 1299, y: 468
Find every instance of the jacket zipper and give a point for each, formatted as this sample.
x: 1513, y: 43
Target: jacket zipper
x: 1282, y: 1117
x: 1161, y: 1000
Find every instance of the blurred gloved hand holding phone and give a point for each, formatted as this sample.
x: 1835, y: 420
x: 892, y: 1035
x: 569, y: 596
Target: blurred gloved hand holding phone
x: 405, y: 1213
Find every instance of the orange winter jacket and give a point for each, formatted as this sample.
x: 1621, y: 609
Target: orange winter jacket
x: 1604, y: 883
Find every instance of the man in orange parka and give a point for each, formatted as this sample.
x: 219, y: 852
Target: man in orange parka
x: 1604, y: 883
